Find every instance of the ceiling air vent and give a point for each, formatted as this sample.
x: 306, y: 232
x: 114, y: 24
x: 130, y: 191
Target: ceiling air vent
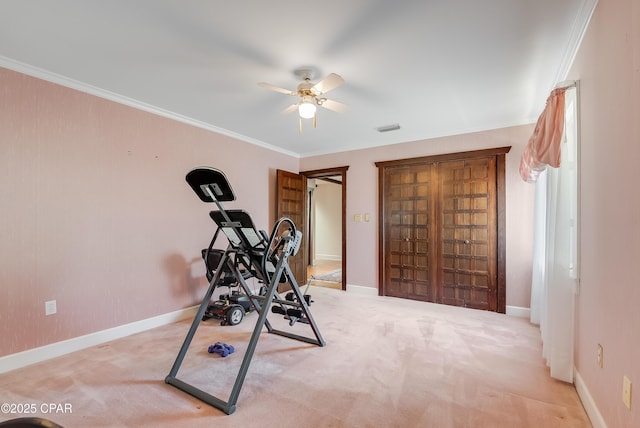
x: 388, y: 128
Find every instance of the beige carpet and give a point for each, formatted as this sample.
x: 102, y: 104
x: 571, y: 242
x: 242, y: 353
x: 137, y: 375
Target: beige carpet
x: 388, y: 363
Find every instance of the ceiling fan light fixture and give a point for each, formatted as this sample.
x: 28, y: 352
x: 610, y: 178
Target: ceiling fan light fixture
x: 307, y: 109
x: 310, y: 95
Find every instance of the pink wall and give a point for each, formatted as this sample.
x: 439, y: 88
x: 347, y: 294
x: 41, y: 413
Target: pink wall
x: 362, y: 197
x: 95, y: 212
x: 608, y: 67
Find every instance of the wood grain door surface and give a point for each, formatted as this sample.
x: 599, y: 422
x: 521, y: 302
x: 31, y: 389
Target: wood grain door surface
x: 410, y: 244
x: 468, y: 227
x: 291, y: 202
x: 439, y: 229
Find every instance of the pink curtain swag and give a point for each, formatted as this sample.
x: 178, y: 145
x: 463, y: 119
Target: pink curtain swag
x: 543, y: 147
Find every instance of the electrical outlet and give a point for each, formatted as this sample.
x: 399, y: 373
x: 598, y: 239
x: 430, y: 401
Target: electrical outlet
x: 50, y: 307
x: 626, y: 392
x: 600, y: 356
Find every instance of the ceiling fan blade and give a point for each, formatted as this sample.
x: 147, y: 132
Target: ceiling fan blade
x: 290, y: 109
x: 330, y: 82
x: 277, y: 89
x: 334, y: 106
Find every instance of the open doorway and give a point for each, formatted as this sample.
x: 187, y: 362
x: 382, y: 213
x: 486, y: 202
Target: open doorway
x: 325, y: 231
x: 326, y: 223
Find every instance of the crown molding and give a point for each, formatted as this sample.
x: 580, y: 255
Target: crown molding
x: 67, y: 82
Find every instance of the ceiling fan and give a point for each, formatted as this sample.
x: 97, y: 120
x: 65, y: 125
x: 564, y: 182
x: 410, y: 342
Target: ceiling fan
x: 311, y: 95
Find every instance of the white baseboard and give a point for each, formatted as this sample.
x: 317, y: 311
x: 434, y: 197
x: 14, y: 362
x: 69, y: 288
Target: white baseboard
x: 43, y: 353
x: 517, y: 311
x: 362, y: 290
x: 333, y: 258
x: 514, y: 311
x: 587, y: 402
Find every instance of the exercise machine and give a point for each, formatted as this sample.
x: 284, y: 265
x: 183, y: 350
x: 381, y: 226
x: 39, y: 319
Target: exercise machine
x: 249, y: 253
x: 232, y: 306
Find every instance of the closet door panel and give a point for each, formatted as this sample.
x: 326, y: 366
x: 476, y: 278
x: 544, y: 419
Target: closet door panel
x: 409, y: 271
x: 468, y: 229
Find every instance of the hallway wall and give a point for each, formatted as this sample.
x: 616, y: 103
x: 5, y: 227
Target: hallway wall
x: 328, y: 220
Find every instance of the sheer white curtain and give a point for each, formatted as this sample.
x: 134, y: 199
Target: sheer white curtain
x: 555, y: 255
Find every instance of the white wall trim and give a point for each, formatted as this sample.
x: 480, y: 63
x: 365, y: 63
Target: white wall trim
x: 43, y: 353
x: 587, y: 402
x: 371, y: 291
x: 517, y: 311
x: 578, y: 31
x: 514, y: 311
x: 131, y: 102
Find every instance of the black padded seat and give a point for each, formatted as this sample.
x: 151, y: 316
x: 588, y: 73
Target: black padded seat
x: 240, y: 230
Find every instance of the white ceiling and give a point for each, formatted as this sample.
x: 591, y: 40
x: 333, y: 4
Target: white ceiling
x: 436, y: 67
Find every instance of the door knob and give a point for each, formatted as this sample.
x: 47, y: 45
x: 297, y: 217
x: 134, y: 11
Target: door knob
x: 466, y: 241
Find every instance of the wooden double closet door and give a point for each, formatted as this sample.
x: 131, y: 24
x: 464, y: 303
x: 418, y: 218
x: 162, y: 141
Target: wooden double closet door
x: 442, y: 229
